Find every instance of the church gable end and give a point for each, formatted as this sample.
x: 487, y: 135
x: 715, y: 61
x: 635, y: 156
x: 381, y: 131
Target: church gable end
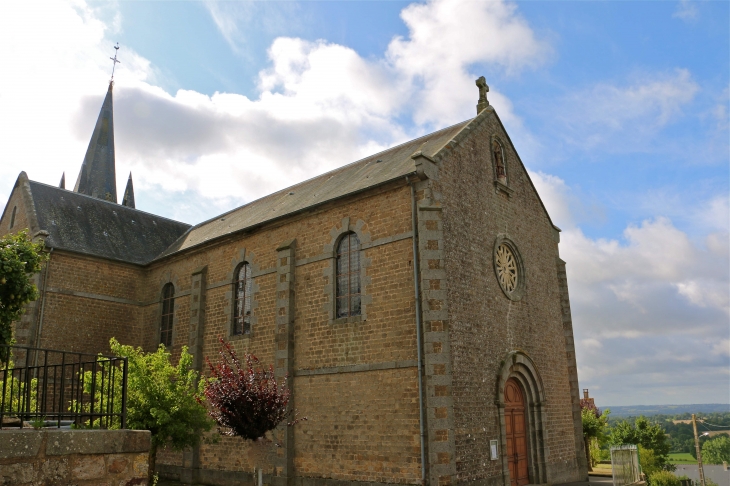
x: 502, y: 294
x: 19, y: 213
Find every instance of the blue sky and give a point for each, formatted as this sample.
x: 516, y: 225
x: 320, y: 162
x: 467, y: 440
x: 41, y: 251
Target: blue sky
x: 618, y: 109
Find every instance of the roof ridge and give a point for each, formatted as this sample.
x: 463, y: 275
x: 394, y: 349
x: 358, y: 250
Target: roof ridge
x: 461, y: 134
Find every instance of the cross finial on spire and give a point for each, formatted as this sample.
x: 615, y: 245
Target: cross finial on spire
x: 111, y: 81
x: 483, y: 90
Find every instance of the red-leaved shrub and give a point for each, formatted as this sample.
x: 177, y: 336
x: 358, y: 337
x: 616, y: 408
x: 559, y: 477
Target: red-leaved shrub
x: 245, y: 401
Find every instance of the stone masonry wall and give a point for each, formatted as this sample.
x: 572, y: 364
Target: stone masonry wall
x: 80, y: 457
x: 484, y: 325
x: 87, y: 301
x: 354, y: 379
x: 21, y: 220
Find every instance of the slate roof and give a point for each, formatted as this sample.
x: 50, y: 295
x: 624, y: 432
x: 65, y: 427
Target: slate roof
x: 92, y: 226
x: 395, y: 163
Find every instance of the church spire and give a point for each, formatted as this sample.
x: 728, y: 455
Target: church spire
x: 128, y: 199
x: 97, y: 175
x: 62, y: 185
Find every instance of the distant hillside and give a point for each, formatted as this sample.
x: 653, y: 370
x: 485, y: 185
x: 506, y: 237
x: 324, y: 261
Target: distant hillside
x: 648, y: 410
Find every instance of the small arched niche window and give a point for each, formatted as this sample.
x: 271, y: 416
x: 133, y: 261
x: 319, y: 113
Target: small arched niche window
x: 12, y: 217
x: 168, y: 313
x: 500, y: 167
x: 348, y: 276
x: 242, y: 300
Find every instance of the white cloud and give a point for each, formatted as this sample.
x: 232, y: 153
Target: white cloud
x: 315, y: 77
x: 606, y: 113
x: 647, y: 307
x: 556, y: 197
x: 686, y: 10
x: 591, y: 343
x: 446, y: 38
x: 723, y: 347
x: 651, y: 301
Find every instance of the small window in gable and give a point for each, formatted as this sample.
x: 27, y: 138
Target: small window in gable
x: 12, y: 217
x: 242, y: 300
x: 348, y: 276
x: 168, y: 313
x: 500, y: 167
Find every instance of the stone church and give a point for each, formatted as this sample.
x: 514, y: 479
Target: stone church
x: 415, y: 298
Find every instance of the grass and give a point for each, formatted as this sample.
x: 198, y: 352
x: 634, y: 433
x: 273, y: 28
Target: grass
x: 682, y: 458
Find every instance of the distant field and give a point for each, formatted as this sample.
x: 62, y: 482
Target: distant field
x: 682, y: 458
x: 649, y: 410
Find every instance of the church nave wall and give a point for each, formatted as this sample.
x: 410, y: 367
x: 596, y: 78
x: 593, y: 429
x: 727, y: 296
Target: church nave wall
x: 86, y: 301
x: 353, y: 378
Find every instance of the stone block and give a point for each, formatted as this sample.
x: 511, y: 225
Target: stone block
x: 20, y: 443
x: 53, y: 470
x: 141, y: 464
x: 88, y: 467
x: 62, y: 442
x: 116, y: 464
x: 12, y: 474
x: 136, y: 441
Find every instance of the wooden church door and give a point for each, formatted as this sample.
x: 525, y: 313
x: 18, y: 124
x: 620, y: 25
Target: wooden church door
x: 514, y: 417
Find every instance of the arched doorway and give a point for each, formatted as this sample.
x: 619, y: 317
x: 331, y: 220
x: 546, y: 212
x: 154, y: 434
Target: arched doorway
x: 526, y: 387
x: 514, y: 417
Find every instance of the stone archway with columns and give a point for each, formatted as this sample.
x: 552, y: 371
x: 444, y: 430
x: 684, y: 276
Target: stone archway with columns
x: 519, y: 366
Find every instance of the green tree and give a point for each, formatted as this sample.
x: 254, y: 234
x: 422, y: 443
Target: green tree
x: 716, y: 450
x: 646, y: 434
x: 20, y: 259
x: 163, y: 399
x: 594, y: 426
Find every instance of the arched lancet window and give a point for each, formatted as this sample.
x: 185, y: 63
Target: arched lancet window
x: 12, y: 217
x: 348, y: 276
x: 242, y: 304
x: 168, y: 312
x: 499, y: 164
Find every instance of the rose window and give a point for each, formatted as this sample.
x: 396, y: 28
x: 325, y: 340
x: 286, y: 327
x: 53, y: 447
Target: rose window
x: 506, y: 268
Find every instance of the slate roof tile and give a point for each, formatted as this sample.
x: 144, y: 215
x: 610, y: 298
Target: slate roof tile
x: 84, y: 224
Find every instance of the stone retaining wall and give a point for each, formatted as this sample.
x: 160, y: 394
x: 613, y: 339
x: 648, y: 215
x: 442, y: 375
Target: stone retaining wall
x: 79, y: 457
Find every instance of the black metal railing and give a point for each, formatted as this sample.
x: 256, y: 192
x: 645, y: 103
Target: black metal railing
x: 46, y: 387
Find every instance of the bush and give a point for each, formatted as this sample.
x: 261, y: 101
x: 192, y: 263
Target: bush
x: 162, y: 398
x: 648, y: 461
x: 245, y: 400
x: 17, y: 398
x: 663, y: 478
